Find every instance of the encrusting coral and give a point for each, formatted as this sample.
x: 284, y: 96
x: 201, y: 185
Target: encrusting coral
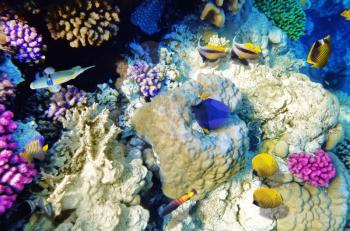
x: 64, y: 100
x: 84, y: 22
x: 287, y: 15
x: 188, y: 158
x: 91, y: 178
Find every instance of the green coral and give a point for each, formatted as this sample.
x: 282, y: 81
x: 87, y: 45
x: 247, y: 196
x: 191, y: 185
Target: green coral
x: 287, y: 15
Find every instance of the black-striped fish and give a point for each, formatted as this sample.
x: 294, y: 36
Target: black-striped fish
x: 245, y: 51
x: 320, y: 52
x: 174, y: 204
x: 35, y: 149
x: 212, y: 53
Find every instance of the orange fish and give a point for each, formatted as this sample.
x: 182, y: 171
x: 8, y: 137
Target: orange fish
x: 174, y: 204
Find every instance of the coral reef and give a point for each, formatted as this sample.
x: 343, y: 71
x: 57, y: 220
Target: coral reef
x: 7, y: 89
x: 342, y: 150
x: 318, y: 170
x: 287, y: 15
x: 188, y: 158
x: 147, y: 15
x: 335, y: 136
x: 65, y: 99
x: 91, y: 177
x: 83, y: 23
x: 23, y: 39
x: 10, y: 70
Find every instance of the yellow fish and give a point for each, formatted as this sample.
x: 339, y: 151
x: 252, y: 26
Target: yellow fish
x: 245, y: 51
x: 320, y: 52
x: 264, y: 165
x: 35, y: 149
x: 346, y: 14
x: 267, y: 198
x: 212, y: 53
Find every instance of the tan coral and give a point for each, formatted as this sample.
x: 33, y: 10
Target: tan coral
x: 190, y: 159
x: 234, y: 6
x: 214, y: 14
x: 335, y: 136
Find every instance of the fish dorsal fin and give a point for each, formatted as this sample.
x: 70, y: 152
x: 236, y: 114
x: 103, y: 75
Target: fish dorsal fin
x: 45, y: 148
x: 214, y: 47
x: 76, y: 68
x: 252, y: 47
x: 49, y: 70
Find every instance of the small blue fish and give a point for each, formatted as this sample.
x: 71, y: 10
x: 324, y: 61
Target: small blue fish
x: 35, y: 149
x: 53, y: 80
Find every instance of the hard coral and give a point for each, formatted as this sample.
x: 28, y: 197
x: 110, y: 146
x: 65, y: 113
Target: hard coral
x: 342, y: 150
x: 64, y: 100
x: 7, y: 88
x: 84, y: 22
x: 318, y: 170
x: 287, y: 15
x: 147, y: 78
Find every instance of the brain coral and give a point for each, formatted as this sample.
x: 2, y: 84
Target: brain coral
x: 90, y: 178
x: 83, y: 22
x: 287, y: 15
x: 188, y: 157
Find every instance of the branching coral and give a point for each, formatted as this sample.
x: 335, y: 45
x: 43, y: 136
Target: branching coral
x: 318, y: 170
x: 287, y: 15
x: 64, y: 100
x: 84, y: 22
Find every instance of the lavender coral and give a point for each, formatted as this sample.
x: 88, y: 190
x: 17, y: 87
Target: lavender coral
x: 64, y: 100
x: 318, y: 170
x: 147, y: 78
x: 83, y: 23
x: 23, y: 39
x: 15, y: 172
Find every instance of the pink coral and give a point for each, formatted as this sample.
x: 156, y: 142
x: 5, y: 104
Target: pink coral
x: 15, y: 172
x: 318, y: 170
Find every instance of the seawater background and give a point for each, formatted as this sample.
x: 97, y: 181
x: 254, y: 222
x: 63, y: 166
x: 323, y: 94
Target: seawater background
x: 322, y: 21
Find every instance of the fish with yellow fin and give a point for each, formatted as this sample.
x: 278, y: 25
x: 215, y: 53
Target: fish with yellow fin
x: 264, y: 165
x: 212, y: 53
x: 35, y: 149
x: 245, y: 51
x: 346, y: 14
x: 267, y: 198
x: 319, y: 53
x: 174, y: 204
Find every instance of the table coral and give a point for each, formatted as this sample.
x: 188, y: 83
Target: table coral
x: 65, y: 99
x: 318, y: 170
x: 83, y: 22
x: 287, y: 15
x: 189, y: 159
x: 90, y: 177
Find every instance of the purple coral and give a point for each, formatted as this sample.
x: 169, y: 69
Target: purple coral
x: 7, y: 88
x: 64, y: 100
x: 15, y: 172
x: 24, y: 40
x: 318, y: 170
x: 147, y: 77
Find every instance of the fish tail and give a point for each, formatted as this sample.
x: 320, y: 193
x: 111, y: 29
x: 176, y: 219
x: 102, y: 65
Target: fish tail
x: 45, y: 148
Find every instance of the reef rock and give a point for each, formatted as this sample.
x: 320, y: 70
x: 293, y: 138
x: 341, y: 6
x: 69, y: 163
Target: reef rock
x: 92, y: 179
x: 189, y: 158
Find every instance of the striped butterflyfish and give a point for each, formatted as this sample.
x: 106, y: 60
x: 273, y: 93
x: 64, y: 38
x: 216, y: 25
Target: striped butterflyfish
x: 319, y: 53
x: 245, y: 51
x: 174, y: 204
x: 35, y: 149
x: 212, y: 53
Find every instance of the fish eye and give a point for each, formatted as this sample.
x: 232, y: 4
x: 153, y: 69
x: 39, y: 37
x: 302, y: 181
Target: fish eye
x: 255, y: 203
x: 255, y: 173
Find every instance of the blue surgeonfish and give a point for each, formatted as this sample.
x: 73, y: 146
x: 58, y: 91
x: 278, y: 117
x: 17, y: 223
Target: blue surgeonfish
x: 52, y: 79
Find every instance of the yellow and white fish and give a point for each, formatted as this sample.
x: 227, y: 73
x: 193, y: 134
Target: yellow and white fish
x: 212, y: 53
x: 53, y: 80
x: 346, y: 14
x: 35, y: 149
x: 319, y: 53
x: 267, y: 198
x: 245, y: 51
x: 264, y: 165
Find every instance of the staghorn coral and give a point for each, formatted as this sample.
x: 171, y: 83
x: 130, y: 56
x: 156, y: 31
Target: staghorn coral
x: 91, y: 178
x: 189, y: 158
x: 64, y: 100
x: 83, y: 22
x: 318, y: 170
x: 286, y: 14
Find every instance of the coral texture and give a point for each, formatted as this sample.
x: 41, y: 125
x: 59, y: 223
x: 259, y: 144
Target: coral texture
x: 11, y: 71
x: 318, y: 170
x: 287, y: 15
x: 23, y: 39
x: 91, y: 176
x: 84, y: 22
x: 147, y: 15
x: 190, y: 159
x: 64, y: 100
x: 7, y: 89
x: 342, y: 150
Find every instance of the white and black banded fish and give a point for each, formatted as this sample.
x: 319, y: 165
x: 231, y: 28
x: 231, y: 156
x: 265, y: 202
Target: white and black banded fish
x: 212, y: 53
x: 245, y: 51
